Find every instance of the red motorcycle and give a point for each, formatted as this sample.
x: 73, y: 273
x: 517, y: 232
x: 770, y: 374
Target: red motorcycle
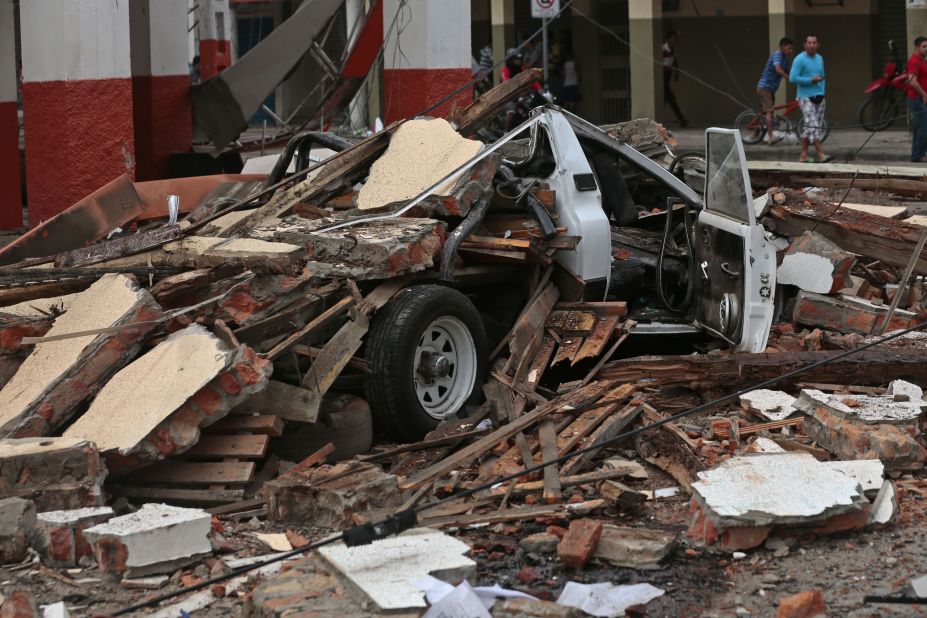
x: 879, y: 110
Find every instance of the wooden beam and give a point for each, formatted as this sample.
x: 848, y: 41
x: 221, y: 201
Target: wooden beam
x: 218, y: 447
x: 324, y: 318
x: 266, y: 425
x: 189, y: 473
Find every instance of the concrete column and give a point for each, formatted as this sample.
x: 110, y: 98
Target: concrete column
x: 162, y: 110
x: 214, y: 25
x: 11, y: 205
x: 916, y: 22
x: 426, y: 56
x: 781, y: 23
x: 502, y: 16
x: 77, y: 100
x: 354, y: 19
x: 644, y: 18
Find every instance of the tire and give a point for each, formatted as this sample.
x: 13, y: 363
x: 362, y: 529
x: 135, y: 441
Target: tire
x: 801, y: 127
x: 417, y: 383
x: 752, y: 126
x: 689, y: 167
x: 877, y: 112
x: 344, y: 420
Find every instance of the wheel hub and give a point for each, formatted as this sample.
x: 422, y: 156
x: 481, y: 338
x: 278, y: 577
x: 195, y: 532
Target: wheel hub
x: 434, y: 366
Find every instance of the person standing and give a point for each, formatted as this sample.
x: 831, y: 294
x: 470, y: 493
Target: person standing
x: 570, y: 96
x: 917, y: 99
x: 808, y: 74
x: 671, y: 73
x: 776, y: 68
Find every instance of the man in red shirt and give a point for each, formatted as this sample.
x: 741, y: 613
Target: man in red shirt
x: 917, y: 99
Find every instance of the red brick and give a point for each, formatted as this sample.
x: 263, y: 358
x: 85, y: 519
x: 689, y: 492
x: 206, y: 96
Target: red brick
x: 527, y: 575
x: 557, y: 531
x: 229, y: 384
x: 802, y: 605
x: 61, y: 545
x: 19, y: 605
x: 111, y: 556
x: 739, y: 538
x: 579, y: 543
x: 247, y: 374
x: 208, y: 400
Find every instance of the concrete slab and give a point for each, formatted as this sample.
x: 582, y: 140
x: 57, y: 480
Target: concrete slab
x: 384, y: 568
x: 775, y: 489
x: 774, y: 405
x: 55, y: 473
x: 58, y: 375
x: 869, y: 473
x: 901, y: 390
x: 885, y: 505
x: 64, y: 543
x: 157, y: 538
x: 871, y: 409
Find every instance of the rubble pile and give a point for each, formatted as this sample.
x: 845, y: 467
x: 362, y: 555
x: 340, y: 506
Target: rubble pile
x: 192, y: 394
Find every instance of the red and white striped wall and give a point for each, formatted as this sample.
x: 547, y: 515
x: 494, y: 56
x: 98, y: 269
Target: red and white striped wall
x: 11, y: 207
x: 160, y: 84
x: 426, y: 57
x: 77, y: 100
x: 214, y: 28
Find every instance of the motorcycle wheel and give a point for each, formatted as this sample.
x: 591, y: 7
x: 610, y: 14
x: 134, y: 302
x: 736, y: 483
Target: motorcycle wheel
x: 877, y: 112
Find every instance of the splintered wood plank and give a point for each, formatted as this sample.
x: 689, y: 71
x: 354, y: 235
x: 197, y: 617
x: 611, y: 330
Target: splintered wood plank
x: 512, y: 514
x: 189, y: 473
x: 597, y: 339
x: 572, y: 322
x: 239, y: 423
x: 243, y: 446
x: 613, y: 307
x: 548, y: 438
x: 539, y: 364
x: 892, y: 212
x: 283, y: 400
x: 321, y: 320
x: 610, y: 427
x: 187, y: 496
x: 508, y: 408
x: 495, y: 255
x: 586, y: 423
x: 569, y: 347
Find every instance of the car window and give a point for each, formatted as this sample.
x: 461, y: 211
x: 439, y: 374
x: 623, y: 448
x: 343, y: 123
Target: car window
x: 725, y: 184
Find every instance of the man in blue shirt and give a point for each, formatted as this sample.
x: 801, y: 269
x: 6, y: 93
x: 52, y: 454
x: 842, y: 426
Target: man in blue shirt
x: 776, y: 68
x: 808, y: 74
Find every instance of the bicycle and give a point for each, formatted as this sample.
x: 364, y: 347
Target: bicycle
x: 752, y: 124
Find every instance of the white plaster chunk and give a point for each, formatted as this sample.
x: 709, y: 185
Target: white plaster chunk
x: 807, y: 271
x: 101, y: 305
x: 55, y: 610
x: 867, y: 408
x: 157, y: 533
x: 383, y: 569
x: 780, y: 488
x: 152, y: 387
x: 421, y: 152
x: 869, y: 473
x: 774, y: 405
x: 885, y: 505
x: 74, y: 516
x: 913, y: 392
x: 764, y: 445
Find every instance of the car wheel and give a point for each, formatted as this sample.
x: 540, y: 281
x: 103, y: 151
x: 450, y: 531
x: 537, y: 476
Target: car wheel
x: 427, y: 351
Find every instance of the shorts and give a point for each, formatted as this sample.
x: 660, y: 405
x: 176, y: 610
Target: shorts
x: 813, y: 114
x: 766, y: 97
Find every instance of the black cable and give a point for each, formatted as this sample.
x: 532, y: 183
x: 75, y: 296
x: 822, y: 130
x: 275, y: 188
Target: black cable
x: 405, y: 517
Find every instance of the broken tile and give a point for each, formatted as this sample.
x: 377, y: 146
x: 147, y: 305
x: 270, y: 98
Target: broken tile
x: 155, y: 539
x: 384, y: 568
x: 774, y: 405
x: 58, y: 375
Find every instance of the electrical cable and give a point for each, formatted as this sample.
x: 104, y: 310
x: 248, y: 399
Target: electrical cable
x: 405, y: 519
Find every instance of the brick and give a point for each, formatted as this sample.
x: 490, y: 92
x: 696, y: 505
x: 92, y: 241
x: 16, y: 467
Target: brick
x: 802, y: 605
x: 579, y: 543
x: 19, y: 604
x: 18, y: 529
x: 155, y: 539
x: 62, y: 532
x: 229, y: 384
x: 55, y: 473
x: 209, y: 400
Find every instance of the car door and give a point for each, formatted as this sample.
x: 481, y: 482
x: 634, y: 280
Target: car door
x: 735, y: 263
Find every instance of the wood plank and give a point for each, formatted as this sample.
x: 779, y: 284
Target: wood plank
x: 531, y: 319
x: 237, y: 507
x: 492, y: 242
x: 548, y: 438
x: 464, y: 456
x: 118, y: 247
x: 196, y: 473
x: 425, y: 444
x: 334, y: 357
x: 487, y: 107
x: 503, y: 399
x: 187, y: 496
x: 282, y: 400
x: 324, y: 318
x: 597, y: 340
x: 520, y: 514
x: 605, y: 308
x: 610, y: 427
x: 539, y: 364
x: 519, y: 489
x: 494, y: 256
x: 241, y: 446
x: 572, y: 322
x: 569, y: 347
x: 239, y: 423
x: 891, y: 212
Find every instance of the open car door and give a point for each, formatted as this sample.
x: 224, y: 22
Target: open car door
x: 735, y: 263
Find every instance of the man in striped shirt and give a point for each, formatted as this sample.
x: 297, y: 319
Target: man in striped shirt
x: 776, y: 68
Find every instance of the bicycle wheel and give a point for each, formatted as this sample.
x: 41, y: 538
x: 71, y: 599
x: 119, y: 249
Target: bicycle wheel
x: 752, y: 126
x: 825, y: 128
x: 878, y: 111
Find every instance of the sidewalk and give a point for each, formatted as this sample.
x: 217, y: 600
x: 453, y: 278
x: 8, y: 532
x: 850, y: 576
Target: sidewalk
x: 891, y: 146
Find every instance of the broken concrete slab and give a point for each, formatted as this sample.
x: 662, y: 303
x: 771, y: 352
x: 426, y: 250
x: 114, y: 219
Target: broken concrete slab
x: 774, y: 405
x: 59, y: 375
x: 155, y: 539
x: 870, y: 409
x: 420, y: 153
x: 900, y: 390
x: 55, y: 473
x: 62, y: 532
x: 634, y: 548
x: 884, y: 506
x: 330, y: 496
x: 189, y: 380
x: 869, y: 473
x: 376, y: 250
x: 211, y: 251
x: 18, y: 529
x: 383, y: 569
x: 814, y: 263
